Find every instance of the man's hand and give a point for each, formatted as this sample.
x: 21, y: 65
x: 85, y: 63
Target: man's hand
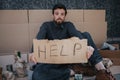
x: 90, y: 51
x: 32, y: 58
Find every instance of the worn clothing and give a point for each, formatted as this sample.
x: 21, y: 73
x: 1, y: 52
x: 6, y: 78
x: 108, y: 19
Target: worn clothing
x: 50, y: 30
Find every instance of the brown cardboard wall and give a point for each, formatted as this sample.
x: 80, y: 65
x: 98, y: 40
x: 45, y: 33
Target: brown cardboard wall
x: 14, y: 34
x: 94, y: 16
x: 14, y: 37
x: 18, y: 28
x: 98, y: 31
x: 76, y: 17
x: 94, y: 23
x: 39, y: 16
x: 13, y: 16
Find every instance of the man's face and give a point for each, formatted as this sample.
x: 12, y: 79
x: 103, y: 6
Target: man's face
x: 59, y: 16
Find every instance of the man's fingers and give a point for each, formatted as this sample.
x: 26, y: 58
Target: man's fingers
x: 32, y: 58
x: 90, y: 51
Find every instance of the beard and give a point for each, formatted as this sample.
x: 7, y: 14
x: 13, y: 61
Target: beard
x: 59, y: 21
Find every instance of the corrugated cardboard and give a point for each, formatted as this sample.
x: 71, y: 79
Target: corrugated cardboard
x: 64, y: 51
x: 40, y: 16
x: 13, y: 16
x: 98, y: 31
x: 94, y: 16
x: 14, y: 37
x: 75, y: 15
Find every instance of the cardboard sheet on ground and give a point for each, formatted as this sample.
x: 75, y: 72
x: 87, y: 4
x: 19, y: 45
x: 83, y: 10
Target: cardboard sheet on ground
x: 72, y: 50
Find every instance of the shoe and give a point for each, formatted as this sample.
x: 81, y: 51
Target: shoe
x: 104, y: 75
x: 83, y: 69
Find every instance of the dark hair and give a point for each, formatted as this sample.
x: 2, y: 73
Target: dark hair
x: 59, y: 6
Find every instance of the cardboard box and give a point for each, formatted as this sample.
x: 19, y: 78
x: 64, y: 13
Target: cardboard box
x: 14, y: 37
x: 98, y: 31
x: 40, y: 16
x: 75, y: 15
x: 94, y: 16
x: 13, y: 16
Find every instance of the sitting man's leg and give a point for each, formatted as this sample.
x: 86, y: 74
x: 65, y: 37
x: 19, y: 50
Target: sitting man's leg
x: 96, y: 60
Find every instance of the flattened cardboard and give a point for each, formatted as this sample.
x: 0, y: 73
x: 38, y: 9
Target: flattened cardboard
x: 14, y: 37
x: 98, y: 31
x: 75, y: 15
x: 39, y: 16
x: 94, y: 16
x: 13, y: 17
x: 64, y: 51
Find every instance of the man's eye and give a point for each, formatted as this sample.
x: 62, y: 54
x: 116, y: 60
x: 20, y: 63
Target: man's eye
x: 56, y: 13
x: 62, y: 14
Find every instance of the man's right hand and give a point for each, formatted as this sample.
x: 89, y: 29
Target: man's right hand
x: 32, y: 58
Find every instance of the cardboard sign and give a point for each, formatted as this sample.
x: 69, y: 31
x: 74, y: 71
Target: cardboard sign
x: 72, y: 50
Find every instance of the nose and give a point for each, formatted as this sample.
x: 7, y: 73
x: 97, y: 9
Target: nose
x: 59, y: 15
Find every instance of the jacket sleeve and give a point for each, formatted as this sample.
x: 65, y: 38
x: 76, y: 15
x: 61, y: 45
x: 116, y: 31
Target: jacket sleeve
x: 42, y: 32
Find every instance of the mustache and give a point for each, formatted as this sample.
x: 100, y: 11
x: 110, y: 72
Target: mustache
x: 59, y: 19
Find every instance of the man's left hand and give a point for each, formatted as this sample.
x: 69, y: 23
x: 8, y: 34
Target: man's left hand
x: 90, y: 51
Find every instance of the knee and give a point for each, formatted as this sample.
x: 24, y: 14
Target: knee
x: 86, y: 34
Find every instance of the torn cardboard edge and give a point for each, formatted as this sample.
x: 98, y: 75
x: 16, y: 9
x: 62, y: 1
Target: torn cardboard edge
x: 72, y: 50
